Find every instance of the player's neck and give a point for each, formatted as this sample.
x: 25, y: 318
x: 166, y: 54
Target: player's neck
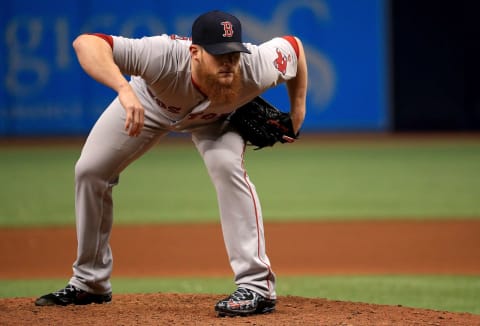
x: 197, y: 86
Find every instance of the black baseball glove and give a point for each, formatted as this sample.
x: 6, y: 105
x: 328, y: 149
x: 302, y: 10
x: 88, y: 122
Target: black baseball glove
x: 261, y: 124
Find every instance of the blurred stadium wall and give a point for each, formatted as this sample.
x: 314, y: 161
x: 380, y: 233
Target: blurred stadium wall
x: 374, y: 65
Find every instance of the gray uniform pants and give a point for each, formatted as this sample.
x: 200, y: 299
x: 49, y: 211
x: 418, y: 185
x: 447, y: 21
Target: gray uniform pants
x: 109, y: 150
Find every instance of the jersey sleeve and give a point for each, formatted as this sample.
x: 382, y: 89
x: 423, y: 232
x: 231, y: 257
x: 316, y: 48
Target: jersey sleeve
x: 147, y: 57
x: 275, y: 61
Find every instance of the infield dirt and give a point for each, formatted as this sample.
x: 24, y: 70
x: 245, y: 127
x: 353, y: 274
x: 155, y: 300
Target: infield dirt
x: 320, y: 248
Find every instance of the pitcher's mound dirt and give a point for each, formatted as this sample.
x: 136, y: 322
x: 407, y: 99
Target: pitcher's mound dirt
x: 184, y: 309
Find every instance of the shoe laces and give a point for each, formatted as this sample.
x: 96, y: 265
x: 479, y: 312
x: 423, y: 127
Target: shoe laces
x: 68, y: 289
x: 242, y: 294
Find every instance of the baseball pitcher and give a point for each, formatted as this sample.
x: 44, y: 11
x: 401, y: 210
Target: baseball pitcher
x: 189, y: 85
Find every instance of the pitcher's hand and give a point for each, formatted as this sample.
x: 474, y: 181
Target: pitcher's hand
x: 135, y: 113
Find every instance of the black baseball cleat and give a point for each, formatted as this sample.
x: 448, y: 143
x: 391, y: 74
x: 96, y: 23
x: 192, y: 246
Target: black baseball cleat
x: 244, y: 302
x: 71, y: 295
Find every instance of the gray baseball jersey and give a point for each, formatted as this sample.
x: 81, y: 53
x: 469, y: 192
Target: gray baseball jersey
x: 161, y: 77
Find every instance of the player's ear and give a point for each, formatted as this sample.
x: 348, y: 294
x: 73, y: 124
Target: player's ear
x: 194, y: 51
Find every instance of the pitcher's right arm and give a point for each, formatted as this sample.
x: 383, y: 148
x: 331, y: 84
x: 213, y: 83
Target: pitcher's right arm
x: 94, y: 53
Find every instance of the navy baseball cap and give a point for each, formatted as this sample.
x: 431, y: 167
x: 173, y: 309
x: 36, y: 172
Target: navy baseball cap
x: 218, y: 33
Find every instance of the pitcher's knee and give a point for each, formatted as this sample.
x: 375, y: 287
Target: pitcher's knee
x: 87, y: 171
x: 222, y: 164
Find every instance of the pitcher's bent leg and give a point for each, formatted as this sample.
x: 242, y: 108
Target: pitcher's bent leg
x: 240, y: 211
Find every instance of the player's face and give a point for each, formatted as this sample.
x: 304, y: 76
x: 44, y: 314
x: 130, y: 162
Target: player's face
x: 219, y: 76
x: 223, y: 66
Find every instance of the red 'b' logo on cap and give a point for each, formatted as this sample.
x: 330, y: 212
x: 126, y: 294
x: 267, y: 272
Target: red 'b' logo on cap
x: 227, y: 29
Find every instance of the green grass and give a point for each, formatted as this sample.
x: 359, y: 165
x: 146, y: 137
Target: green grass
x: 320, y: 181
x: 357, y: 182
x: 446, y: 293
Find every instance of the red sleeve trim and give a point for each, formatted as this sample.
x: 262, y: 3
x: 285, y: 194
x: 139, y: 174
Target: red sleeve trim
x: 293, y: 41
x: 107, y: 38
